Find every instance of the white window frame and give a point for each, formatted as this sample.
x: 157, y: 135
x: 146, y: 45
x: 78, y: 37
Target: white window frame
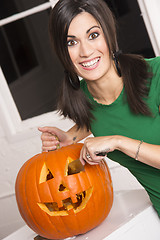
x: 11, y: 122
x: 150, y: 12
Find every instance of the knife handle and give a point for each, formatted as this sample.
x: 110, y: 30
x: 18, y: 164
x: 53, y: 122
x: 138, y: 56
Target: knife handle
x: 102, y: 153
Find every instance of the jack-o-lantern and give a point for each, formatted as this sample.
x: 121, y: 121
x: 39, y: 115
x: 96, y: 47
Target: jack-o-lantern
x: 56, y: 203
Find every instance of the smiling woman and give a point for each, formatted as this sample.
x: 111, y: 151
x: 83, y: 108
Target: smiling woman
x: 84, y: 50
x: 118, y: 99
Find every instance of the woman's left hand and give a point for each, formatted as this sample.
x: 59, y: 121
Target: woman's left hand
x: 95, y: 145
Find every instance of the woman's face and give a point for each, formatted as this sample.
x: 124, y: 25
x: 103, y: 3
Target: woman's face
x: 87, y: 48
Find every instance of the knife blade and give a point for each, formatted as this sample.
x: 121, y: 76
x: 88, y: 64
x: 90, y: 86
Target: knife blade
x: 76, y: 166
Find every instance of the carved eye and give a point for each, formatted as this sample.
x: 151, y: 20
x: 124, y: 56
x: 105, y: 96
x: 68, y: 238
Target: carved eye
x: 73, y: 167
x: 46, y: 174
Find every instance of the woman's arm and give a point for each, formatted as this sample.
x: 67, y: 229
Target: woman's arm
x: 53, y: 137
x: 147, y: 153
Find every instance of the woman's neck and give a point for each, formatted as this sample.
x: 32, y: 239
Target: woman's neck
x: 106, y: 90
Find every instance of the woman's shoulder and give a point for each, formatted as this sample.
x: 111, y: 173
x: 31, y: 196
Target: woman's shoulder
x: 154, y: 64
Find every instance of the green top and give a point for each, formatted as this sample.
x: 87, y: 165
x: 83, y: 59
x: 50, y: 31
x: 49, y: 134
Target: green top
x: 117, y: 119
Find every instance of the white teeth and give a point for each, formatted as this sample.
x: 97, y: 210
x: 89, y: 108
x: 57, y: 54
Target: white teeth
x: 91, y: 63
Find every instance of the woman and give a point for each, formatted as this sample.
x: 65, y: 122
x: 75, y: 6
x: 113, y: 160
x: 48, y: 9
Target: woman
x: 118, y: 99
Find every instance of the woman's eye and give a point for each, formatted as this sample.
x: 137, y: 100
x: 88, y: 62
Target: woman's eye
x: 71, y: 42
x: 93, y: 35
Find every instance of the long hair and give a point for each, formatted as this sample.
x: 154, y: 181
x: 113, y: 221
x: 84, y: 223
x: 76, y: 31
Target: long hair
x: 72, y: 102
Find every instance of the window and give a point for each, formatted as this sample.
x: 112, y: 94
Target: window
x: 31, y: 69
x: 132, y: 33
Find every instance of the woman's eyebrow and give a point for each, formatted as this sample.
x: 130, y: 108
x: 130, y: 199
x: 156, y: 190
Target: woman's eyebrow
x: 92, y: 28
x: 72, y: 36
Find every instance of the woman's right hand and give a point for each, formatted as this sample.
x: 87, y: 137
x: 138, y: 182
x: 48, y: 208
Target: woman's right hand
x: 53, y: 138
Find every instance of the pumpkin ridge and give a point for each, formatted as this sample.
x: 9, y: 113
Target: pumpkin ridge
x: 43, y: 232
x: 26, y: 199
x: 24, y: 169
x: 49, y: 219
x: 88, y: 212
x: 59, y: 218
x: 37, y: 180
x: 106, y: 190
x: 93, y: 170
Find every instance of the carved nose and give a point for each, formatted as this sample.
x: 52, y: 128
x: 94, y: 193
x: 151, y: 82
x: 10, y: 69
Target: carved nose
x: 62, y: 187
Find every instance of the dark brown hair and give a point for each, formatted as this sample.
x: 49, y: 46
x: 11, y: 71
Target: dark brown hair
x: 73, y: 103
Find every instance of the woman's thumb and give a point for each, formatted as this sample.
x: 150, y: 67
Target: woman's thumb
x: 45, y: 129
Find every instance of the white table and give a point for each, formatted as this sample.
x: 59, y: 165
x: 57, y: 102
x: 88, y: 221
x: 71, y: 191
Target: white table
x: 131, y: 217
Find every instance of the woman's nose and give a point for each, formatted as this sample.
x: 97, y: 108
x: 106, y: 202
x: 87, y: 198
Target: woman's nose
x: 85, y: 49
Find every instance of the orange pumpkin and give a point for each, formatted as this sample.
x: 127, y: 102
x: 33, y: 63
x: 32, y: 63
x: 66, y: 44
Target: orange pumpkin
x: 57, y: 204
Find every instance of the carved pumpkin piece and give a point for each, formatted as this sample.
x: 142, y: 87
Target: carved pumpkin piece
x: 62, y: 208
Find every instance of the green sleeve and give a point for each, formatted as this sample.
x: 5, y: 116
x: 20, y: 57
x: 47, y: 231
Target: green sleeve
x: 157, y: 74
x: 155, y: 68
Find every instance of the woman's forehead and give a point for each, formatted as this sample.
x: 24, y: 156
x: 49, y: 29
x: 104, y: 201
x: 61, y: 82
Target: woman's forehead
x: 82, y: 22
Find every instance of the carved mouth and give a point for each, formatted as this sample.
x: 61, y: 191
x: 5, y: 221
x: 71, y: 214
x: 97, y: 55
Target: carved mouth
x: 52, y: 208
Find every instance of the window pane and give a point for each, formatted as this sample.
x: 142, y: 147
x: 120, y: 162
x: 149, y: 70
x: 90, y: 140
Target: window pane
x: 132, y: 33
x: 31, y: 69
x: 6, y: 60
x: 17, y: 50
x: 10, y: 7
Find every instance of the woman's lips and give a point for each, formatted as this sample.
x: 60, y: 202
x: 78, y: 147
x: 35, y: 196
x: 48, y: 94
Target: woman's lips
x: 89, y: 65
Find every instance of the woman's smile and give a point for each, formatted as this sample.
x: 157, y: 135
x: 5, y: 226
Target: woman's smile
x: 92, y: 64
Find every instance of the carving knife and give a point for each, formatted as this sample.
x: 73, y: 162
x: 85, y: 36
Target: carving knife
x: 76, y: 166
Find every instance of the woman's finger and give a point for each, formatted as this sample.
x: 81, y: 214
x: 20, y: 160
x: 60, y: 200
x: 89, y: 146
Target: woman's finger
x: 49, y: 143
x: 46, y: 129
x: 81, y: 158
x: 49, y: 148
x: 48, y: 136
x: 92, y: 163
